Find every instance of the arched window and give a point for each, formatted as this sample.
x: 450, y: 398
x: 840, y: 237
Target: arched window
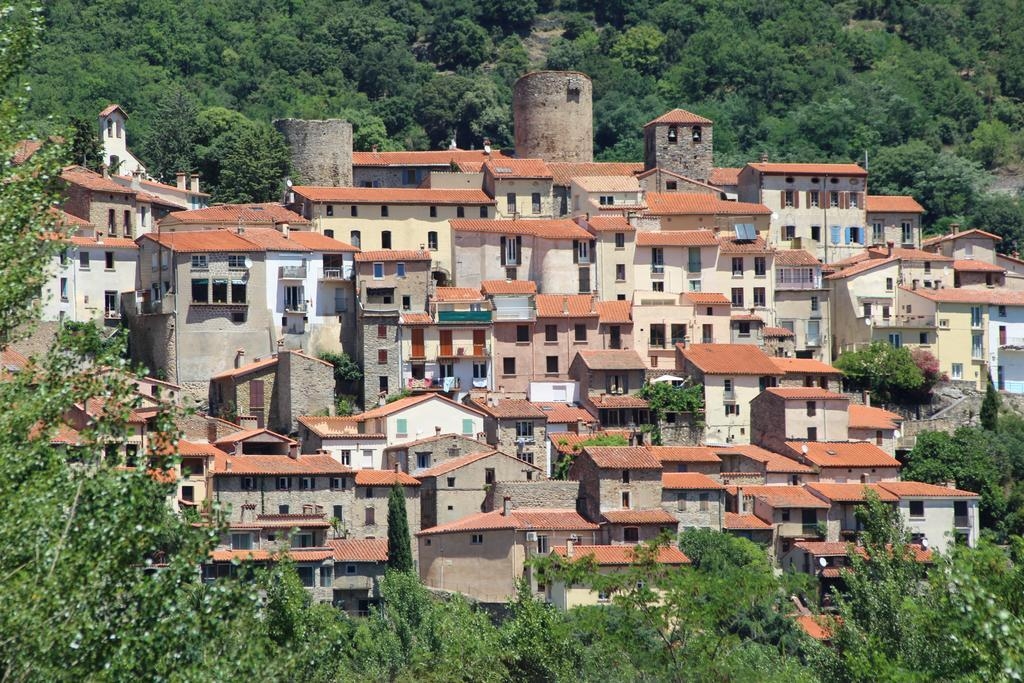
x: 673, y: 134
x: 696, y: 133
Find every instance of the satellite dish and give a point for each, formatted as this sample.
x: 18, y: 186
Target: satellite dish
x: 924, y: 543
x: 804, y: 449
x: 867, y: 320
x: 248, y: 262
x: 288, y: 182
x: 822, y: 562
x: 896, y: 434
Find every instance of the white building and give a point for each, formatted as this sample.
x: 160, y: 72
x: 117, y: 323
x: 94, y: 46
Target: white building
x: 115, y: 141
x: 938, y: 514
x: 1006, y: 340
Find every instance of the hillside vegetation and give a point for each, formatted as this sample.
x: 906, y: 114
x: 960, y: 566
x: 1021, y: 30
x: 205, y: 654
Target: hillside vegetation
x: 931, y: 92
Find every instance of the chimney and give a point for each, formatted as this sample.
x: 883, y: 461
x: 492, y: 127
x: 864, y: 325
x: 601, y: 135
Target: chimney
x: 181, y: 177
x: 954, y: 228
x: 888, y: 249
x: 293, y: 451
x: 565, y: 305
x: 285, y: 230
x: 568, y: 548
x: 194, y: 184
x: 227, y: 465
x: 239, y: 358
x: 867, y: 397
x: 739, y: 500
x: 506, y: 506
x: 373, y: 148
x: 280, y: 345
x: 247, y: 422
x: 397, y: 467
x: 764, y: 157
x: 99, y: 237
x: 211, y: 431
x: 437, y: 430
x: 136, y: 180
x: 106, y: 170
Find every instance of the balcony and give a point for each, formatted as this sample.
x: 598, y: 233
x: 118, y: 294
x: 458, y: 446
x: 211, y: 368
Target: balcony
x: 693, y: 266
x: 1011, y: 343
x: 514, y: 313
x: 469, y: 351
x: 332, y: 274
x: 379, y: 307
x: 296, y: 307
x: 904, y: 320
x: 291, y: 273
x: 788, y: 281
x: 456, y: 317
x: 962, y: 521
x: 658, y: 272
x: 347, y: 582
x: 433, y: 383
x: 729, y: 396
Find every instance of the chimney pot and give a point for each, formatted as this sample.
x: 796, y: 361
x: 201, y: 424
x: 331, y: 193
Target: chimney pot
x: 106, y: 170
x: 569, y: 548
x: 867, y: 398
x: 506, y: 506
x: 181, y: 182
x: 194, y: 182
x: 888, y: 249
x: 764, y: 157
x: 437, y: 431
x: 397, y: 468
x: 954, y: 228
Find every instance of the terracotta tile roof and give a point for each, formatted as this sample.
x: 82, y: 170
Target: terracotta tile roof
x: 517, y: 168
x: 971, y: 266
x: 993, y: 297
x: 861, y: 267
x: 680, y: 116
x: 332, y: 427
x: 746, y: 317
x: 734, y: 520
x: 66, y: 435
x: 774, y: 463
x: 417, y: 319
x: 658, y: 516
x: 610, y: 224
x: 805, y: 366
x: 729, y: 359
x: 611, y: 402
x: 775, y: 332
x: 880, y: 203
x: 12, y: 360
x: 111, y: 108
x: 611, y: 359
x: 272, y: 240
x: 162, y: 186
x: 203, y: 241
x: 870, y: 417
x: 457, y: 294
x: 193, y: 449
x: 277, y: 465
x: 246, y: 434
x: 806, y: 394
x: 455, y: 463
x: 809, y: 169
x: 552, y: 229
x: 707, y: 298
x: 408, y: 402
x: 785, y: 497
x: 296, y: 554
x: 523, y: 518
x: 433, y: 157
x: 264, y: 364
x: 973, y: 232
x: 499, y: 287
x: 849, y: 493
x: 393, y: 195
x: 359, y: 549
x: 24, y: 150
x: 908, y: 254
x: 562, y: 413
x: 143, y: 196
x: 843, y: 454
x: 795, y: 257
x: 725, y: 176
x: 565, y: 306
x: 677, y: 238
x: 288, y: 521
x: 817, y: 627
x: 620, y: 555
x: 571, y: 442
x: 684, y: 454
x: 622, y: 457
x: 66, y: 219
x: 691, y: 203
x: 392, y: 255
x: 615, y: 312
x: 917, y: 489
x: 314, y: 241
x: 824, y: 548
x: 730, y: 245
x: 689, y: 481
x: 106, y: 243
x: 563, y: 172
x: 608, y: 183
x: 90, y: 180
x: 510, y: 408
x: 384, y: 478
x: 267, y: 213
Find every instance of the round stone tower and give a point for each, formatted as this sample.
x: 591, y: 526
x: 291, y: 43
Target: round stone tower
x: 553, y: 115
x: 321, y: 150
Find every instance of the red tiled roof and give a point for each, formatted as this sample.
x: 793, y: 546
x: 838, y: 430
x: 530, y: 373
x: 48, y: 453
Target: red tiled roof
x: 409, y: 401
x: 973, y: 232
x: 610, y: 224
x: 861, y: 267
x: 795, y: 257
x: 609, y: 401
x: 843, y: 454
x: 106, y: 243
x: 880, y: 203
x: 734, y: 520
x: 908, y: 254
x: 565, y: 306
x: 658, y: 516
x: 457, y: 294
x: 455, y: 463
x: 393, y: 195
x: 917, y: 489
x: 523, y: 518
x: 611, y: 359
x: 277, y: 465
x: 746, y: 317
x: 90, y: 180
x: 246, y: 369
x: 517, y: 168
x: 392, y: 255
x: 689, y: 481
x: 334, y: 427
x: 773, y: 462
x: 786, y: 497
x: 359, y: 549
x: 299, y: 555
x: 24, y: 150
x: 564, y: 171
x: 805, y: 366
x: 614, y: 312
x: 809, y: 169
x: 824, y: 548
x: 287, y: 521
x: 417, y: 319
x: 608, y: 183
x: 111, y: 108
x: 707, y: 298
x: 67, y: 219
x: 272, y: 240
x: 562, y: 413
x: 725, y: 176
x: 433, y: 157
x: 680, y: 116
x: 510, y: 408
x: 817, y: 627
x: 686, y: 203
x: 731, y: 245
x: 208, y: 241
x: 729, y: 359
x: 677, y: 238
x: 849, y: 493
x: 552, y: 229
x: 972, y: 266
x: 622, y: 457
x: 267, y: 213
x: 499, y: 287
x: 775, y: 332
x: 145, y: 182
x: 314, y: 241
x: 384, y: 478
x: 246, y: 434
x: 870, y: 417
x: 620, y: 555
x: 805, y: 394
x: 684, y: 454
x: 992, y: 297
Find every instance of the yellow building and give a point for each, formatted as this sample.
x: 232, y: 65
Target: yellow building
x: 961, y: 319
x: 698, y: 211
x: 522, y: 188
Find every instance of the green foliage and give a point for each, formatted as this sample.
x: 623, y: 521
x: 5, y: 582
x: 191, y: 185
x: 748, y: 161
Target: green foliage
x: 990, y: 407
x: 170, y: 148
x: 663, y: 398
x: 404, y: 393
x: 345, y: 369
x: 561, y: 469
x: 85, y: 148
x: 889, y: 373
x: 399, y: 545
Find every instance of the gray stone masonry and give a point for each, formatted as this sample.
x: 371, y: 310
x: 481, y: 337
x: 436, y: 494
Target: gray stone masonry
x: 321, y: 151
x: 435, y: 450
x: 691, y: 511
x: 305, y: 387
x: 683, y: 156
x: 553, y: 116
x: 547, y: 493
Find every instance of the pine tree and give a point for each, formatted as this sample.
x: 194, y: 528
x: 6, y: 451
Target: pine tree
x: 399, y: 543
x: 990, y: 408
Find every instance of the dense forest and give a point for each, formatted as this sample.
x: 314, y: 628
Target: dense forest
x: 930, y: 93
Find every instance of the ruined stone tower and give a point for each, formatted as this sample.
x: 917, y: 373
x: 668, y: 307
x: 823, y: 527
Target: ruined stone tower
x: 321, y: 150
x: 553, y: 116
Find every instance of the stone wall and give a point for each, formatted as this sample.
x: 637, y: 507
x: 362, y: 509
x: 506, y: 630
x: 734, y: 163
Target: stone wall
x: 306, y: 387
x: 321, y: 151
x: 438, y: 449
x: 535, y: 453
x: 553, y: 116
x: 684, y: 156
x: 371, y: 343
x: 685, y: 506
x: 548, y: 493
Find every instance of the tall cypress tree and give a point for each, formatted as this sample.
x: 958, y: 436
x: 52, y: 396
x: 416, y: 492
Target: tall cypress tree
x: 990, y: 408
x: 399, y: 543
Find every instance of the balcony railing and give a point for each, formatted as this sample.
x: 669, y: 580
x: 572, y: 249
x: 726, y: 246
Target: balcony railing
x: 905, y: 320
x: 471, y: 351
x: 514, y: 313
x: 331, y: 274
x: 961, y: 521
x: 658, y: 271
x: 785, y: 281
x: 432, y: 383
x: 1011, y: 341
x: 292, y: 272
x: 296, y: 307
x: 463, y: 316
x: 729, y: 395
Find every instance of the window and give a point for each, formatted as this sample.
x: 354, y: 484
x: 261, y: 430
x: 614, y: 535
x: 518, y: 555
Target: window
x: 83, y: 260
x: 200, y: 262
x: 432, y: 239
x: 620, y: 272
x: 522, y: 333
x: 330, y: 210
x: 917, y: 508
x: 63, y: 289
x: 382, y: 331
x: 620, y: 240
x: 385, y: 239
x: 284, y: 483
x: 467, y: 427
x: 542, y: 545
x: 895, y: 340
x: 200, y: 290
x: 657, y: 260
x: 550, y: 333
x: 656, y: 336
x: 816, y: 233
x: 378, y: 271
x: 812, y: 409
x: 737, y: 266
x: 355, y: 237
x: 326, y: 577
x: 877, y: 233
x: 759, y: 297
x: 693, y: 259
x: 681, y: 501
x: 759, y: 265
x: 433, y: 212
x: 337, y: 484
x: 406, y: 302
x: 658, y: 286
x: 384, y: 213
x: 704, y: 500
x: 307, y: 483
x: 737, y: 297
x: 476, y: 539
x: 833, y: 200
x: 552, y: 365
x: 236, y: 261
x: 975, y: 316
x: 346, y: 459
x: 402, y: 426
x: 524, y: 429
x: 510, y: 202
x: 241, y: 541
x: 1002, y: 311
x: 370, y: 516
x: 508, y: 366
x: 922, y: 338
x: 789, y: 232
x: 510, y: 251
x: 111, y: 222
x: 535, y: 202
x: 743, y: 328
x: 350, y: 569
x: 631, y: 534
x: 483, y: 212
x: 625, y: 476
x: 812, y: 433
x: 354, y: 212
x: 976, y: 346
x: 479, y: 370
x: 219, y: 291
x: 450, y: 481
x: 382, y: 383
x: 785, y: 514
x: 854, y: 199
x: 732, y: 409
x: 400, y: 269
x: 625, y: 500
x: 908, y: 232
x: 888, y: 284
x: 581, y: 333
x: 788, y: 198
x: 813, y: 199
x: 282, y: 509
x: 885, y: 313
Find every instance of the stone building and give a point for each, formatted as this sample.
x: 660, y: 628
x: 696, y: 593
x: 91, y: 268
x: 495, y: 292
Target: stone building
x: 538, y: 493
x: 895, y: 219
x: 781, y: 414
x: 681, y: 142
x: 411, y: 169
x: 321, y: 151
x: 431, y: 451
x: 553, y: 118
x: 695, y: 500
x: 516, y: 426
x: 609, y: 381
x: 521, y: 188
x: 875, y: 425
x: 617, y: 478
x: 795, y: 513
x: 698, y: 459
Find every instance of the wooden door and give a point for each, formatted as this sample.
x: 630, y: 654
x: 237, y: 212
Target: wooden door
x: 479, y: 343
x: 418, y: 347
x: 446, y: 342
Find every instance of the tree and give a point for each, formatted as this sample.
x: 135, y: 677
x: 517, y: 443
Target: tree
x: 399, y: 543
x: 170, y: 148
x: 86, y: 148
x: 889, y: 373
x: 254, y: 168
x: 990, y: 408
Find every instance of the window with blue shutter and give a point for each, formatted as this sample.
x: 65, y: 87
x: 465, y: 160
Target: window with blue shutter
x: 402, y: 426
x: 835, y: 234
x: 846, y: 235
x: 467, y: 427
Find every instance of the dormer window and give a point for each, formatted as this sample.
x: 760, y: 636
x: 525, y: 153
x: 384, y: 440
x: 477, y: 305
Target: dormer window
x: 673, y: 134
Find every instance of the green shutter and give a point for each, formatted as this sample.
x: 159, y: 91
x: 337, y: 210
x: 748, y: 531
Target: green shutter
x: 402, y: 425
x: 467, y: 427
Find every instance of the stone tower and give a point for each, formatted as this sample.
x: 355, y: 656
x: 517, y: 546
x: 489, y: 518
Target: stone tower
x: 553, y: 116
x: 321, y: 150
x: 681, y: 142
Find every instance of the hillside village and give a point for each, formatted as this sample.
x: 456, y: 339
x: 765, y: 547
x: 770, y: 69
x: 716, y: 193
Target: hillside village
x: 511, y: 312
